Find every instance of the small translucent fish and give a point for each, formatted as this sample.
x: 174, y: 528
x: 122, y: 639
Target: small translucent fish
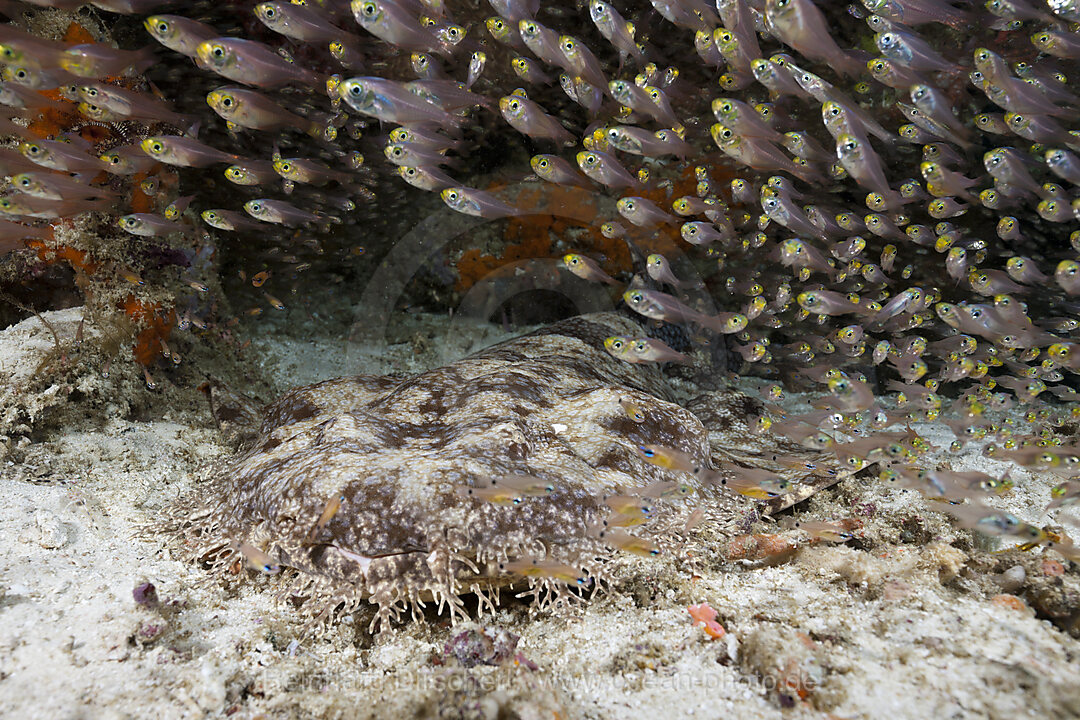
x: 476, y: 202
x: 1058, y: 42
x: 1064, y: 495
x: 556, y: 170
x: 622, y: 540
x: 328, y: 513
x: 643, y: 212
x: 651, y: 350
x: 127, y: 160
x: 587, y: 269
x: 756, y: 483
x: 252, y: 63
x: 668, y: 458
x: 632, y: 409
x: 279, y: 212
x: 309, y: 172
x: 476, y: 67
x: 96, y: 60
x: 911, y: 51
x: 1024, y: 270
x: 394, y: 24
x: 800, y: 24
x: 505, y: 32
x: 701, y: 233
x: 52, y: 186
x: 1067, y: 276
x: 543, y: 41
x: 250, y: 173
x: 425, y: 178
x: 579, y: 61
x: 179, y: 33
x: 615, y: 29
x: 492, y: 493
x: 183, y: 151
x: 659, y: 269
x: 57, y: 155
x: 605, y: 169
x: 991, y: 521
x: 253, y: 110
x: 258, y: 560
x: 660, y: 306
x: 301, y: 22
x: 124, y: 103
x: 413, y: 154
x: 632, y: 505
x: 529, y: 71
x: 823, y: 530
x: 147, y: 225
x: 544, y: 568
x: 529, y: 118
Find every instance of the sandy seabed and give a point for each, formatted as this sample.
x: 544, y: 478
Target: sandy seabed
x: 913, y: 618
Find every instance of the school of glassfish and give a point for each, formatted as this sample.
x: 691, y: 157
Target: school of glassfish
x: 883, y: 199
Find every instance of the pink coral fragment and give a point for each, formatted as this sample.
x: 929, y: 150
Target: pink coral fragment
x: 705, y: 617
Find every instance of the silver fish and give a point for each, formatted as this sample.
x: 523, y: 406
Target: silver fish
x: 615, y: 29
x: 476, y: 202
x: 528, y: 118
x: 183, y: 151
x: 393, y: 24
x: 279, y: 212
x: 660, y: 306
x: 301, y: 22
x: 800, y: 24
x: 253, y: 63
x: 605, y: 169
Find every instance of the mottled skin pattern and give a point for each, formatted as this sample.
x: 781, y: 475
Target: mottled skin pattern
x: 400, y: 453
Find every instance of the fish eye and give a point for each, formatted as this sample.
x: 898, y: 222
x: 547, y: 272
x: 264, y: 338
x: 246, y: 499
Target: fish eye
x: 268, y: 11
x: 20, y: 73
x: 163, y: 27
x: 369, y: 9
